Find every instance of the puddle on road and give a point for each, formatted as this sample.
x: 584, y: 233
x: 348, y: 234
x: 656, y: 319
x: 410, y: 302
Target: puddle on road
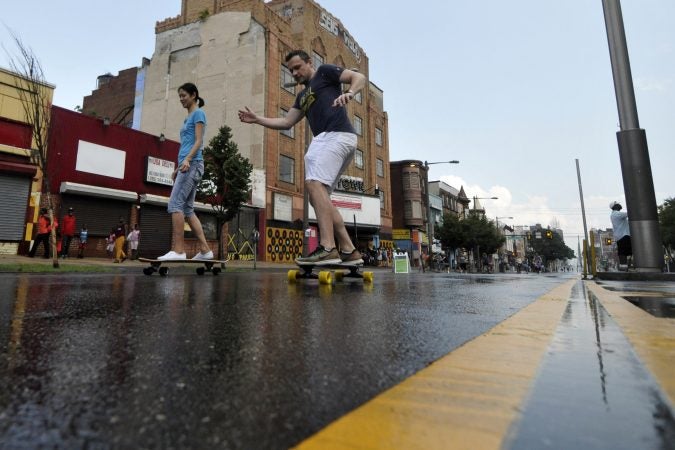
x: 656, y: 306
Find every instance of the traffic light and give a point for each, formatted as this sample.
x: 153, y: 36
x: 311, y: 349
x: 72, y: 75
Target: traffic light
x: 608, y: 241
x: 549, y: 234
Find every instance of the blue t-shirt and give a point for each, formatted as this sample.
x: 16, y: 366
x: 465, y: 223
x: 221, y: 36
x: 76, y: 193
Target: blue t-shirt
x: 187, y: 135
x: 316, y: 101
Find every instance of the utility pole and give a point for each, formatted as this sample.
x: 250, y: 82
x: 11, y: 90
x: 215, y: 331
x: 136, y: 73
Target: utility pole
x: 638, y: 184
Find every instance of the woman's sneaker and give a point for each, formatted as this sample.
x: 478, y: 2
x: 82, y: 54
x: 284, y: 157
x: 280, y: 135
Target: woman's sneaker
x: 203, y: 256
x: 352, y: 258
x: 172, y: 256
x: 320, y: 257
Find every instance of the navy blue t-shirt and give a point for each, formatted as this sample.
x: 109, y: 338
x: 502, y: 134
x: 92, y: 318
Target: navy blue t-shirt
x: 316, y: 101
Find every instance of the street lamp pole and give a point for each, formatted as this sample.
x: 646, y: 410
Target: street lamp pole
x: 430, y: 223
x: 638, y: 184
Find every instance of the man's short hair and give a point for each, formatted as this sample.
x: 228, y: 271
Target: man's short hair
x: 301, y: 53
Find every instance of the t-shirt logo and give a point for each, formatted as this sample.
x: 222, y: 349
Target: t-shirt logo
x: 307, y: 100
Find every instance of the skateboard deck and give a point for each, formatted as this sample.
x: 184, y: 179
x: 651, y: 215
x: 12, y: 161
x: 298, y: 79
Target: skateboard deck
x: 210, y: 265
x: 328, y: 273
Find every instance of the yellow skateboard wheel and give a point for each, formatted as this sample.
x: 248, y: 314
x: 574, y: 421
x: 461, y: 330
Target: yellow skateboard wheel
x: 293, y: 275
x: 368, y: 277
x: 325, y: 277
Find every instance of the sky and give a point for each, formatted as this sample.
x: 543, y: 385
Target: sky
x: 516, y: 91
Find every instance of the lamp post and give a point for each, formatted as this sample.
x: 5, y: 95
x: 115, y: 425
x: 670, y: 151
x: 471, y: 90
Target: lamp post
x: 430, y: 222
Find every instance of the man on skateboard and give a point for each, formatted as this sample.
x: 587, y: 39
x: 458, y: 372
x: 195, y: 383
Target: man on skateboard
x: 332, y: 149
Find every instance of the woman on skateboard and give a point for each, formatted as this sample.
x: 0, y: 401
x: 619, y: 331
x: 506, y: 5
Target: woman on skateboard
x: 187, y: 176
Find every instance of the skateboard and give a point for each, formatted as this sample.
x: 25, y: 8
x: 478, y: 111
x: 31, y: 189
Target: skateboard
x: 339, y: 271
x: 156, y: 265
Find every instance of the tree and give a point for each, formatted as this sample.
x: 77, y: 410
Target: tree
x: 451, y: 232
x: 667, y: 222
x: 35, y: 97
x: 226, y: 180
x: 472, y: 232
x: 551, y: 249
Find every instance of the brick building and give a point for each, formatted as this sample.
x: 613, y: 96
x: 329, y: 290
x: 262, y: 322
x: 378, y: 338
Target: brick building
x: 115, y: 96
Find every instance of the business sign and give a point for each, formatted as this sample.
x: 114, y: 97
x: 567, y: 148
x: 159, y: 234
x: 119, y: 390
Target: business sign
x: 283, y: 207
x: 100, y: 160
x: 332, y: 25
x: 159, y: 171
x: 346, y: 201
x: 400, y: 234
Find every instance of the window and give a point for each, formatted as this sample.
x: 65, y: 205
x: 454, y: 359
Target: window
x: 291, y: 131
x: 381, y: 199
x: 407, y: 209
x: 358, y: 159
x: 286, y: 169
x: 287, y: 79
x: 378, y: 137
x: 358, y: 97
x: 358, y: 125
x: 416, y: 209
x: 317, y: 60
x: 379, y: 167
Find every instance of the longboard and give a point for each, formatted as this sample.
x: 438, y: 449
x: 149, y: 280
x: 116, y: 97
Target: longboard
x: 339, y: 271
x: 210, y: 265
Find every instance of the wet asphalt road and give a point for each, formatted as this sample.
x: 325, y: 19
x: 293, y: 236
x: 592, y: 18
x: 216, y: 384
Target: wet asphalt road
x: 240, y: 360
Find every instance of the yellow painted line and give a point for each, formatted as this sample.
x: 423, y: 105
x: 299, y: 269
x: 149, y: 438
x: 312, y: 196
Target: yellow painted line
x: 653, y: 338
x: 467, y: 399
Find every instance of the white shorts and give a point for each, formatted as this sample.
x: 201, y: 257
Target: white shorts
x: 328, y: 156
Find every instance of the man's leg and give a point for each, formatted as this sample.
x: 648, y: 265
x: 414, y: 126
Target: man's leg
x: 325, y: 212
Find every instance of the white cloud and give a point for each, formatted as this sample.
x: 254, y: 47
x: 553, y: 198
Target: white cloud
x: 537, y: 209
x: 653, y: 84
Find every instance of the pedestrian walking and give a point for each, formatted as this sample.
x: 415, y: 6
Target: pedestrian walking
x: 118, y: 246
x: 42, y: 237
x: 188, y: 174
x: 323, y: 103
x: 621, y: 229
x: 132, y: 238
x: 67, y: 231
x: 84, y: 236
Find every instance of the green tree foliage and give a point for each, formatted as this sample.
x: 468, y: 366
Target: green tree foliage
x: 226, y: 181
x: 550, y: 249
x: 472, y: 232
x: 667, y: 222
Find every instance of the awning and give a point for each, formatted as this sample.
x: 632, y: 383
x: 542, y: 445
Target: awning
x: 68, y: 187
x: 14, y: 167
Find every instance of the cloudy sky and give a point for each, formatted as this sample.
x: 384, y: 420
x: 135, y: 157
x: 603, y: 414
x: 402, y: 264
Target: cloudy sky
x: 514, y: 90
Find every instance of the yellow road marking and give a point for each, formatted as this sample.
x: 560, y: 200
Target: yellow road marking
x: 653, y: 338
x: 467, y: 399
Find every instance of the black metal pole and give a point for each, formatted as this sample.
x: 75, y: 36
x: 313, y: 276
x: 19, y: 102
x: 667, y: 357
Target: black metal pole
x: 638, y: 184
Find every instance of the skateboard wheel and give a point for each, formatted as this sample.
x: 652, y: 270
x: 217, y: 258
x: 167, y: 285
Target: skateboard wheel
x: 215, y: 270
x: 293, y: 275
x: 368, y: 277
x: 200, y: 271
x: 339, y: 275
x: 148, y: 271
x: 325, y: 277
x: 163, y: 271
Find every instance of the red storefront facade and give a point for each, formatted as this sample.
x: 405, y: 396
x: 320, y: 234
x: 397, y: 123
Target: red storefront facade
x: 107, y: 172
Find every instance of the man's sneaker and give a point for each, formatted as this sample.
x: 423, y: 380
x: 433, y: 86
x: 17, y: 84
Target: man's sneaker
x: 172, y: 256
x: 320, y: 257
x: 352, y: 258
x: 203, y: 256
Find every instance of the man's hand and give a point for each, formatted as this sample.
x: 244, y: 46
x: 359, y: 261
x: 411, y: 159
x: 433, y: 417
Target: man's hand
x: 248, y: 116
x: 343, y: 99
